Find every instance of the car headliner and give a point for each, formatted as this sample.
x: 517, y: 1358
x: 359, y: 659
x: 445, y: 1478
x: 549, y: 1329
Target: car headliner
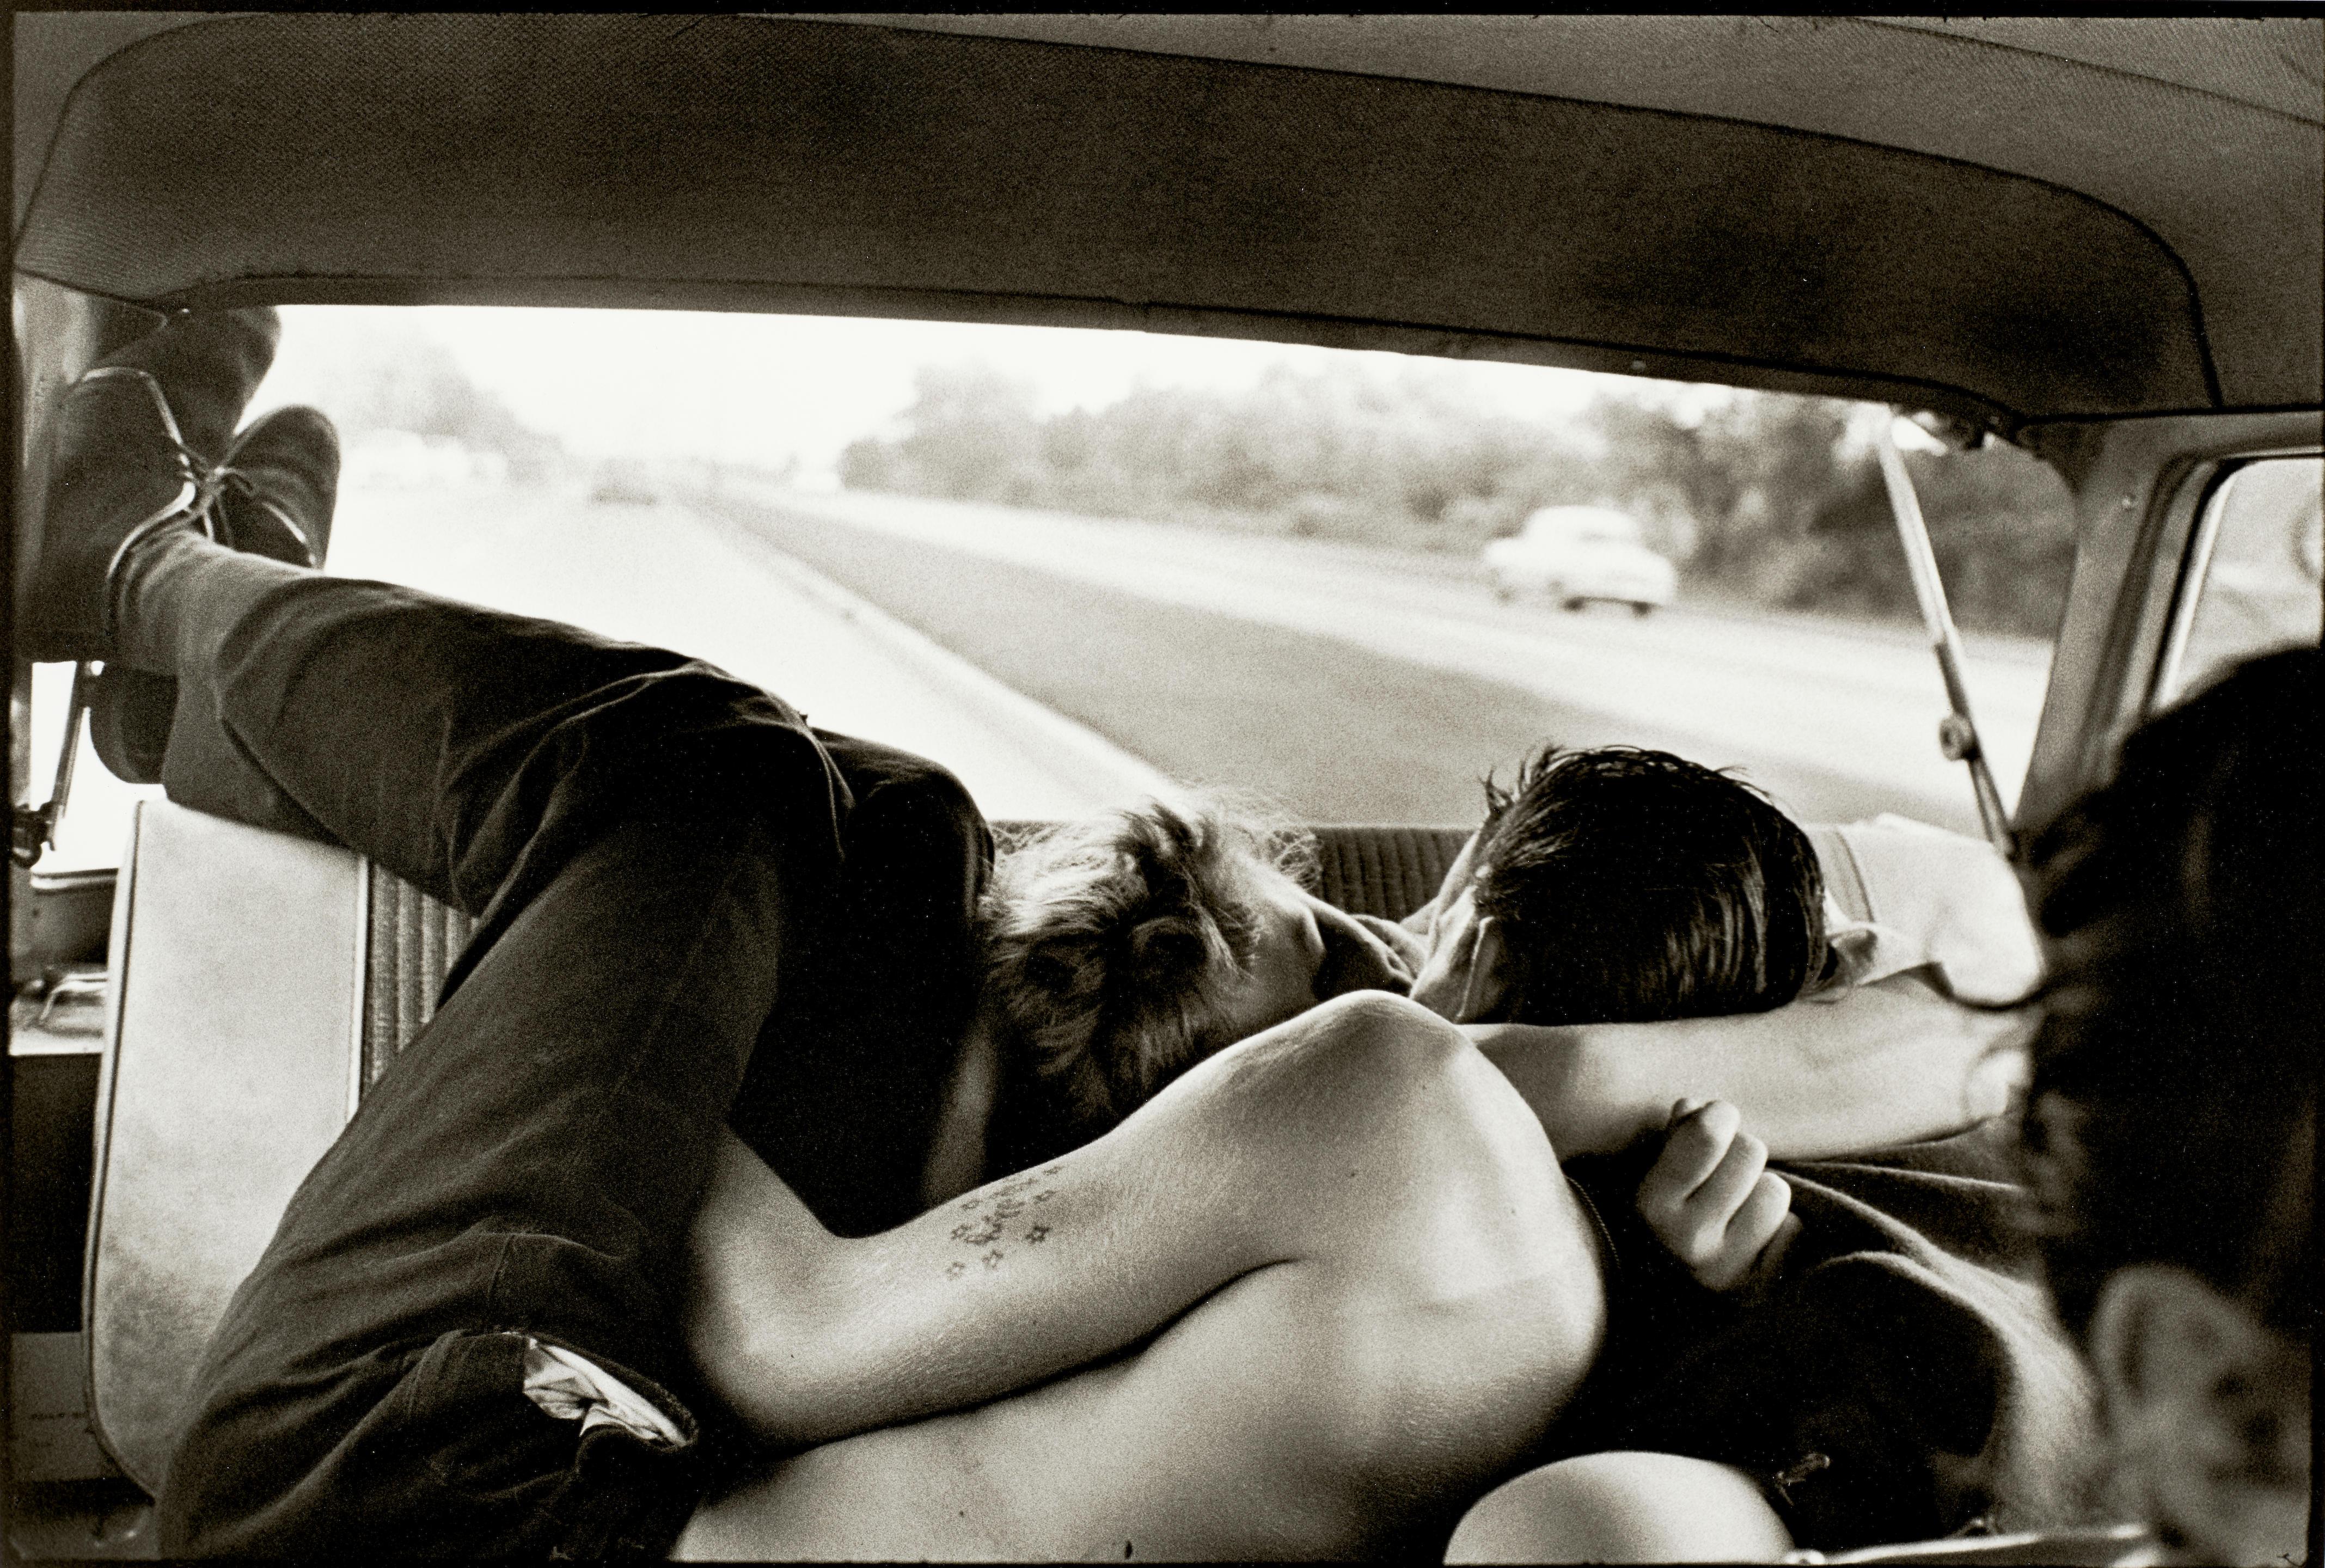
x: 2018, y: 219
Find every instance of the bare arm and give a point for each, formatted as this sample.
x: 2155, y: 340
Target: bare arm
x: 812, y: 1337
x: 1257, y: 1157
x: 1886, y: 1064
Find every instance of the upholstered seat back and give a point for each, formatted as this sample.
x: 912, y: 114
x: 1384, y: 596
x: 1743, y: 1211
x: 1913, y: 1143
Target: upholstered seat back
x: 232, y: 1057
x: 260, y: 984
x: 1388, y: 869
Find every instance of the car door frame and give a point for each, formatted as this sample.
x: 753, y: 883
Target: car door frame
x: 2140, y: 486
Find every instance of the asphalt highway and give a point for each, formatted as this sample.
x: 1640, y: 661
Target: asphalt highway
x: 1838, y: 720
x: 1841, y: 718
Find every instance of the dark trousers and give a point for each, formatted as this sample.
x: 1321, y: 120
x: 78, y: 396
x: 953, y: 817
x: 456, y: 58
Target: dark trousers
x: 692, y: 907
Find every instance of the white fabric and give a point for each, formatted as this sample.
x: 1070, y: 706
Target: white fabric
x: 573, y: 1389
x: 1934, y: 898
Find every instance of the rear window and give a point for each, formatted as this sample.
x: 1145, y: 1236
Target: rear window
x: 1071, y: 563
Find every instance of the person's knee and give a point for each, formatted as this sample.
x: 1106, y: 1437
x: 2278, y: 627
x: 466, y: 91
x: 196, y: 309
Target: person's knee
x: 920, y: 809
x: 1623, y: 1508
x: 686, y: 744
x: 441, y: 1451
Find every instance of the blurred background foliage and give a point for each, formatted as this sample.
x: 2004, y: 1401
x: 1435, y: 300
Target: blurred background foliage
x: 399, y: 379
x: 1762, y: 499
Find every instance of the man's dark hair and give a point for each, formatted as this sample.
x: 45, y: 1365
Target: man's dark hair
x: 2172, y: 1105
x: 1633, y: 885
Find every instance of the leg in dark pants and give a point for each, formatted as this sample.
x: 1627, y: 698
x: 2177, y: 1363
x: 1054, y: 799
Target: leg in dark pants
x: 654, y: 852
x: 843, y: 1094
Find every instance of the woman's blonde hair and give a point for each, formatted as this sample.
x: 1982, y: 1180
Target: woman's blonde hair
x: 1111, y: 945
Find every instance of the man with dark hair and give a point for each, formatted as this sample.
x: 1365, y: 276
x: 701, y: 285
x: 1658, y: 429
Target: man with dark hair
x: 1628, y: 886
x: 2169, y: 1154
x: 1905, y: 1377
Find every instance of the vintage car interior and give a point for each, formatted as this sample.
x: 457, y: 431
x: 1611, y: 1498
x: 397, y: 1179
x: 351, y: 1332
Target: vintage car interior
x: 2098, y: 239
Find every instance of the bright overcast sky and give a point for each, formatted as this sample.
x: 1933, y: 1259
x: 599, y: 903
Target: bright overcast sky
x: 754, y: 388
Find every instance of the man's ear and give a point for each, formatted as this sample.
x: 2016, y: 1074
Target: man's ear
x: 2209, y: 1409
x: 1486, y: 984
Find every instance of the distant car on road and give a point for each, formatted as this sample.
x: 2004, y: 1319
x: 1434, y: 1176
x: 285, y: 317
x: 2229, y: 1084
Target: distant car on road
x: 1575, y: 554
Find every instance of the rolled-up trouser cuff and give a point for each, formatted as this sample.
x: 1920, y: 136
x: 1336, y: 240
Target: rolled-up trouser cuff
x: 450, y: 1459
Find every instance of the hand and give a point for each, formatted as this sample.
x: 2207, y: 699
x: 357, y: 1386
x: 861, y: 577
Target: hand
x: 1712, y: 1201
x: 1410, y: 950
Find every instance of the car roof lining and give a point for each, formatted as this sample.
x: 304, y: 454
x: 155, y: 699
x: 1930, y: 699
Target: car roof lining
x: 2280, y: 70
x: 2211, y: 131
x: 1397, y: 214
x: 2265, y: 65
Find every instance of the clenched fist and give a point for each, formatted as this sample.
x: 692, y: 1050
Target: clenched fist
x: 1712, y: 1201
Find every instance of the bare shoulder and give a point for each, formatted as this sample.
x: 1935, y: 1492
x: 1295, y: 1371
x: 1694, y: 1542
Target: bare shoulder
x: 1446, y: 1302
x: 1468, y: 1288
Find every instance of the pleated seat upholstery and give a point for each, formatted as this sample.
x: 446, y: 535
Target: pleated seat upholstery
x: 1388, y: 869
x: 411, y: 945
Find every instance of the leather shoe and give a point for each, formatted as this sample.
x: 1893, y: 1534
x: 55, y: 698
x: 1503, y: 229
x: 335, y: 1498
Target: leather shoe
x: 126, y: 450
x: 280, y: 481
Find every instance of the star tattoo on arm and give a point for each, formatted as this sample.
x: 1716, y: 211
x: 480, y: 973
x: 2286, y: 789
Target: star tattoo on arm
x: 990, y: 1214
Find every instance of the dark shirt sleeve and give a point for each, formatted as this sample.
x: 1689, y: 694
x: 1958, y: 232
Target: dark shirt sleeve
x: 1901, y: 1378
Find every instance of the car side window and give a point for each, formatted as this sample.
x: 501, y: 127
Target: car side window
x: 2251, y: 579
